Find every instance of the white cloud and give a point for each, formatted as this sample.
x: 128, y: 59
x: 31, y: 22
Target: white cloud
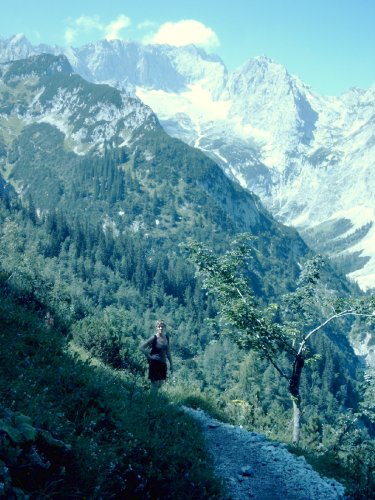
x: 83, y: 24
x: 113, y: 28
x: 88, y: 24
x: 146, y: 25
x: 69, y: 35
x: 185, y: 32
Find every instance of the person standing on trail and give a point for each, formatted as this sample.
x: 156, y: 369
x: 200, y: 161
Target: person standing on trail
x: 49, y: 319
x: 157, y: 351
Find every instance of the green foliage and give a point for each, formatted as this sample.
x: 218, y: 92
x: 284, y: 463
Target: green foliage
x: 39, y: 160
x: 31, y: 458
x: 18, y: 429
x: 198, y: 400
x: 71, y: 429
x: 278, y: 335
x: 111, y: 336
x: 237, y: 304
x: 346, y: 452
x: 79, y: 271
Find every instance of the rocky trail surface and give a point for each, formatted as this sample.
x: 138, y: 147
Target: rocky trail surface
x: 254, y: 467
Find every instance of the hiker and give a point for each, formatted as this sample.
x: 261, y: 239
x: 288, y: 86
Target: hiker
x: 49, y: 319
x: 156, y: 349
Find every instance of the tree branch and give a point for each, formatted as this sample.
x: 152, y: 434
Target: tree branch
x: 275, y: 365
x: 348, y: 312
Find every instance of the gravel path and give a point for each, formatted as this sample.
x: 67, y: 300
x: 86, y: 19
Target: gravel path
x: 254, y: 467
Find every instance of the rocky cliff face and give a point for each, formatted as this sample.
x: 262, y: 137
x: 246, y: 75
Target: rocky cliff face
x: 308, y: 157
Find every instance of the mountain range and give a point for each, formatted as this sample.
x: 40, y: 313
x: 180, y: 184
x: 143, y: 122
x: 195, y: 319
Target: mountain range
x: 100, y: 154
x: 308, y: 157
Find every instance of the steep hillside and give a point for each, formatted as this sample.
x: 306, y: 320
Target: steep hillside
x: 104, y: 296
x: 70, y: 429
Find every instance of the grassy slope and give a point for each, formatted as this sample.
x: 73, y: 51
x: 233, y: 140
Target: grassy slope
x: 123, y: 442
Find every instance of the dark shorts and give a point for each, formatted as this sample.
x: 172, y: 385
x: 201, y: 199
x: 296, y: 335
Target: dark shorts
x: 157, y: 370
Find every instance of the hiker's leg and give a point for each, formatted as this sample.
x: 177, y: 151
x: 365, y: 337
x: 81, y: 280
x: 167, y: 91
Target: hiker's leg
x: 155, y: 386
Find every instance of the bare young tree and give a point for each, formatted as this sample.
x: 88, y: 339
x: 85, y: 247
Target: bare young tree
x: 284, y: 328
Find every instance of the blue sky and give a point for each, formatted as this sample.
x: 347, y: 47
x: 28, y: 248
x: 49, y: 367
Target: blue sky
x: 330, y: 44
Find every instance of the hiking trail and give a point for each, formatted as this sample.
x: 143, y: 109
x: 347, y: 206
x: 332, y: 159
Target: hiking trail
x: 254, y: 467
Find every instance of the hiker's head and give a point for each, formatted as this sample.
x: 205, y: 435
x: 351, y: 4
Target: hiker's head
x: 160, y: 325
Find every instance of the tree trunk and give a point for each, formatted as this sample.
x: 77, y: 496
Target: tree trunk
x: 296, y: 398
x: 296, y: 420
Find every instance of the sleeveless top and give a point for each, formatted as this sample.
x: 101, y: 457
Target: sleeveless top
x: 159, y: 350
